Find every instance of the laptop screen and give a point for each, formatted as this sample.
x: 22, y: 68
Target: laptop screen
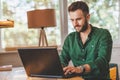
x: 43, y: 62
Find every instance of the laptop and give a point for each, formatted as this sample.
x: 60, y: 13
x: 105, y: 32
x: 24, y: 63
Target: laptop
x: 42, y: 62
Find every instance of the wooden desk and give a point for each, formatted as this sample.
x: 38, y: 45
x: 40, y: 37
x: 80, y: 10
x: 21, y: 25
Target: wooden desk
x: 19, y: 74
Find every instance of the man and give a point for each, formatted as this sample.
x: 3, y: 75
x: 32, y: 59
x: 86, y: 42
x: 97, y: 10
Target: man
x: 89, y: 47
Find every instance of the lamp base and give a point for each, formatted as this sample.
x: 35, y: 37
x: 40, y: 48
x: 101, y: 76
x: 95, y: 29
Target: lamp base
x: 43, y: 39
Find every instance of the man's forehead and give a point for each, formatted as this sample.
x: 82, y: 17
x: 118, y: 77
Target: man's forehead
x: 76, y: 14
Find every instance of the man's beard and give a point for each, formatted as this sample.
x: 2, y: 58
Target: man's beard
x: 85, y: 26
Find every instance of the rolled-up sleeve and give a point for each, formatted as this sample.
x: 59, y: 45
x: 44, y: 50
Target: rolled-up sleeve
x: 104, y: 53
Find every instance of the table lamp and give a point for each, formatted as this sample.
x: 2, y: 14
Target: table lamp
x: 41, y: 18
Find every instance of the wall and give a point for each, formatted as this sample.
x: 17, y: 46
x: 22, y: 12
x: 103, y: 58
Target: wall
x: 10, y: 58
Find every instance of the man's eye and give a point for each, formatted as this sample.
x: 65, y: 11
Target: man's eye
x: 79, y: 18
x: 71, y: 19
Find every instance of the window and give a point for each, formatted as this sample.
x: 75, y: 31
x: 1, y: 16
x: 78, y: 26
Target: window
x: 104, y: 13
x: 20, y: 35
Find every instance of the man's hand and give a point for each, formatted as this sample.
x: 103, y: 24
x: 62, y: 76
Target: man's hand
x: 71, y: 69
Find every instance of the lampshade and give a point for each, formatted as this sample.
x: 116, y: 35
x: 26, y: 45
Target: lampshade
x: 41, y: 18
x: 6, y: 24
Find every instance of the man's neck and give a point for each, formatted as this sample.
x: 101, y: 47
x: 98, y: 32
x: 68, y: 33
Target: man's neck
x: 87, y: 31
x: 84, y: 35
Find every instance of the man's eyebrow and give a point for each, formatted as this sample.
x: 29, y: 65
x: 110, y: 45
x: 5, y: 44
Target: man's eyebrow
x: 76, y: 18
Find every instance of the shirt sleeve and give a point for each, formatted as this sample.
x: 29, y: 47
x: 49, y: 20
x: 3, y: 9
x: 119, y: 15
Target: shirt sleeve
x: 64, y: 55
x: 104, y: 53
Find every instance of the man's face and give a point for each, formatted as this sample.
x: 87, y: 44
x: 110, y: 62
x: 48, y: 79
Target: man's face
x: 79, y: 20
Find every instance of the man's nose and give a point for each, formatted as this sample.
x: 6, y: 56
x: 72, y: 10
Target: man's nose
x: 75, y: 23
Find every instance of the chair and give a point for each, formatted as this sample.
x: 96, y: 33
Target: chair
x: 114, y: 72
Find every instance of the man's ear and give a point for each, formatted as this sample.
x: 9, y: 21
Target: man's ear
x: 88, y: 17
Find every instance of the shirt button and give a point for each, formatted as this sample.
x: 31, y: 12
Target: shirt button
x: 83, y: 59
x: 83, y: 50
x: 92, y: 46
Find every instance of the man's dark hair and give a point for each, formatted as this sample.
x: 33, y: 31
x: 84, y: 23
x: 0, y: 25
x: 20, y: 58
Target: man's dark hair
x: 79, y: 5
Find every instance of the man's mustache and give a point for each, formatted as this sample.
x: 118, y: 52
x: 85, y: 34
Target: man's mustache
x: 78, y: 26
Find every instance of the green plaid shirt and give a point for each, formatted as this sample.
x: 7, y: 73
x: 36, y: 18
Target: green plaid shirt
x: 96, y: 51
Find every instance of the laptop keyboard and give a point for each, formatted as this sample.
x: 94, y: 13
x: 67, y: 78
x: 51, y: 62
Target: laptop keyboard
x: 69, y: 75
